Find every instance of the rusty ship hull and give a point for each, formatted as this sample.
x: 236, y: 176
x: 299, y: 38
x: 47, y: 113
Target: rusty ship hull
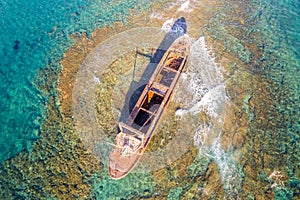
x: 136, y: 133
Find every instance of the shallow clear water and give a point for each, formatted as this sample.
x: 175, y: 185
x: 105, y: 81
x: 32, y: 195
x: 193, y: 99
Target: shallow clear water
x: 257, y: 99
x: 35, y: 34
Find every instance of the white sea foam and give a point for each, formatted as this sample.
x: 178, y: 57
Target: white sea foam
x: 205, y: 92
x: 227, y: 167
x: 185, y: 7
x: 209, y: 101
x: 182, y: 6
x: 201, y: 135
x: 204, y: 81
x: 168, y: 25
x: 96, y: 79
x: 156, y: 15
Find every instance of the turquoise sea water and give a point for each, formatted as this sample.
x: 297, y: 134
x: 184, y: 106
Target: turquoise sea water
x: 279, y: 24
x: 35, y: 34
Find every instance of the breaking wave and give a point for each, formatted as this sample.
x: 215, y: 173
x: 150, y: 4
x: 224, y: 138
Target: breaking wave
x: 204, y: 95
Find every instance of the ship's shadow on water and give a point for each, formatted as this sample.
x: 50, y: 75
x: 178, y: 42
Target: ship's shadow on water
x: 136, y: 88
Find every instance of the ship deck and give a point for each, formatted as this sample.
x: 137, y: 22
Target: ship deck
x: 137, y: 131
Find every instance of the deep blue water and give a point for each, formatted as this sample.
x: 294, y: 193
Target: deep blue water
x: 34, y: 34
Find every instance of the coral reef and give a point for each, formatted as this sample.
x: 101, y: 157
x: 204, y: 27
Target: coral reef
x: 259, y: 129
x: 57, y: 166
